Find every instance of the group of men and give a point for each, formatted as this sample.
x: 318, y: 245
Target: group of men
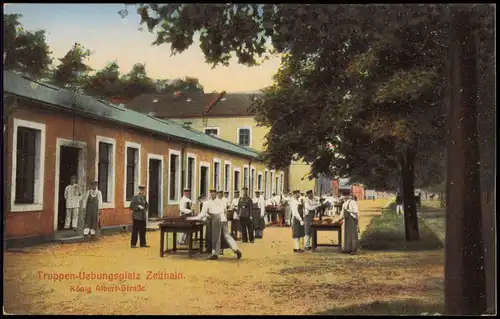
x: 89, y: 201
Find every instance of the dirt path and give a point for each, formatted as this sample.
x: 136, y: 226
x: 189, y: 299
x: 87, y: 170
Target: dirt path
x: 270, y: 279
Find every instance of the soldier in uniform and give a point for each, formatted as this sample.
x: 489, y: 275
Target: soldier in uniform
x: 311, y: 205
x: 139, y: 207
x: 245, y: 211
x: 258, y: 215
x: 235, y: 223
x: 185, y: 208
x: 217, y: 231
x: 298, y: 232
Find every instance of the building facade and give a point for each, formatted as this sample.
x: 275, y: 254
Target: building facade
x: 54, y: 134
x: 225, y: 116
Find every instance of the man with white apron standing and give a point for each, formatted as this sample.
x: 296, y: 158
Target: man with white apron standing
x: 297, y: 221
x: 186, y: 210
x: 311, y: 204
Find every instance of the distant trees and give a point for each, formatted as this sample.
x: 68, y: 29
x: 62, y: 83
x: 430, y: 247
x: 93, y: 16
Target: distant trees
x: 28, y: 53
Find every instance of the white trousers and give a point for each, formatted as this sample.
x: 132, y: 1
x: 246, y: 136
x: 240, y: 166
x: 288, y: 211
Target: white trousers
x: 399, y: 209
x: 228, y: 237
x: 71, y: 217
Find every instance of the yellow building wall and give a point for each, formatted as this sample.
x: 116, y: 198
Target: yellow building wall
x: 228, y: 130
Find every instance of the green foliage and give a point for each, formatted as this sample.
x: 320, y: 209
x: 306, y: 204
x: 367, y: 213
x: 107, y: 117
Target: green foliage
x: 387, y: 232
x: 24, y: 51
x: 72, y: 72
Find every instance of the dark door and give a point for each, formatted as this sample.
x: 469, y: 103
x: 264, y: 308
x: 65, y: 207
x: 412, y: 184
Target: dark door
x: 203, y: 181
x: 68, y: 166
x: 154, y: 188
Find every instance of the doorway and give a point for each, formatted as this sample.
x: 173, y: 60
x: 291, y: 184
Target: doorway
x: 204, y: 181
x: 154, y: 188
x: 69, y: 164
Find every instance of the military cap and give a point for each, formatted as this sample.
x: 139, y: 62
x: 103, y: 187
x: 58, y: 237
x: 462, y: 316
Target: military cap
x: 213, y: 191
x: 309, y: 192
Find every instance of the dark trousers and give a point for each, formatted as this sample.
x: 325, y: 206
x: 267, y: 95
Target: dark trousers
x: 138, y: 228
x: 246, y: 228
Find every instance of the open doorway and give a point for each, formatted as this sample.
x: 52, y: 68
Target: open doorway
x: 69, y: 164
x: 155, y: 189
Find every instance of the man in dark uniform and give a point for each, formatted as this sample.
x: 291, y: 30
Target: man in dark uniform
x: 139, y: 207
x: 245, y: 210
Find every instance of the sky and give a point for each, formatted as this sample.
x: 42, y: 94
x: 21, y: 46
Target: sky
x: 99, y: 28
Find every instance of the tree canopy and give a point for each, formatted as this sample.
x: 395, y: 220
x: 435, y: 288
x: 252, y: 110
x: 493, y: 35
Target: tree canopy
x: 27, y: 52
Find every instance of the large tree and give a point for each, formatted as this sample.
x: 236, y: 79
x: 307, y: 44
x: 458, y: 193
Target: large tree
x: 24, y: 51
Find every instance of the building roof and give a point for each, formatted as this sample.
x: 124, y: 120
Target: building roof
x: 190, y: 105
x: 51, y: 95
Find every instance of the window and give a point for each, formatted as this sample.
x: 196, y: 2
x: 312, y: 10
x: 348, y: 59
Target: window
x: 271, y: 186
x: 174, y: 176
x: 28, y: 163
x: 266, y: 189
x: 259, y: 182
x: 204, y: 178
x: 276, y: 185
x: 191, y: 174
x: 281, y: 182
x: 252, y: 184
x: 236, y: 180
x: 212, y: 131
x: 217, y: 174
x: 245, y: 177
x: 244, y: 136
x: 104, y: 170
x: 132, y: 169
x: 227, y: 172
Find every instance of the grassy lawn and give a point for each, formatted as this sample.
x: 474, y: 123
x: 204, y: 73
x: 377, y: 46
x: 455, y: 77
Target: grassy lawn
x: 434, y: 216
x: 386, y: 232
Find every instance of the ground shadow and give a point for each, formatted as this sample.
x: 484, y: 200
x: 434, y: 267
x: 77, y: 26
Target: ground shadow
x: 397, y: 307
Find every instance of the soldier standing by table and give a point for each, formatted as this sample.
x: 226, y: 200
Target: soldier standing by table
x: 186, y: 210
x: 214, y: 212
x: 235, y: 223
x: 139, y: 207
x: 311, y: 205
x: 258, y: 215
x: 245, y: 211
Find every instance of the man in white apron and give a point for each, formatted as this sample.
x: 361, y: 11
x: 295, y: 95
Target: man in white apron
x: 186, y: 210
x: 72, y: 195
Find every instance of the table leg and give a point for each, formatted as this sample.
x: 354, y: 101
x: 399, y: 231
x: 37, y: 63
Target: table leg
x: 340, y: 239
x: 190, y: 243
x: 314, y: 238
x: 175, y: 242
x: 162, y: 243
x: 201, y: 240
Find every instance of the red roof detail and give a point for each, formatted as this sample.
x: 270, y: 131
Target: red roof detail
x: 212, y: 103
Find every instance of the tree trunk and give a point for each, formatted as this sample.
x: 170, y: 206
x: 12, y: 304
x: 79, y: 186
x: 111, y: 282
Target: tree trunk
x: 410, y: 207
x: 465, y: 282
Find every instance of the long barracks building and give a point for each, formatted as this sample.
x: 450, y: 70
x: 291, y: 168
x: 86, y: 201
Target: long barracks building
x: 54, y: 134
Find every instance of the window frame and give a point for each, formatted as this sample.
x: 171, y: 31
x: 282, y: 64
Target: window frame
x: 207, y: 165
x: 194, y: 181
x: 227, y: 184
x: 237, y: 169
x: 111, y: 169
x: 39, y: 174
x: 249, y: 136
x: 137, y: 177
x: 178, y: 174
x: 218, y: 184
x: 211, y: 128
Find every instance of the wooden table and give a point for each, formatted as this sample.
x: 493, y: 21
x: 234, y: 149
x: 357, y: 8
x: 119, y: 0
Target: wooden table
x: 180, y: 225
x: 326, y: 227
